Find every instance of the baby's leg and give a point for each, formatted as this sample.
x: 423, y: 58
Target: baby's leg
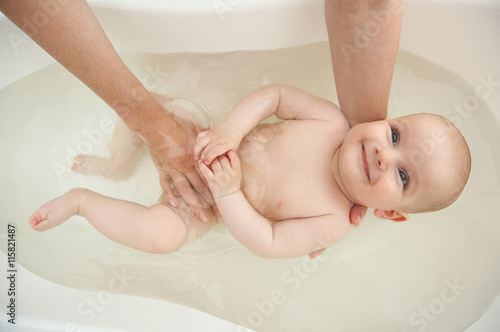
x: 157, y: 229
x: 124, y: 147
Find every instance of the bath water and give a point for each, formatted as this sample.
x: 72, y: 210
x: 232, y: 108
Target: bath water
x: 423, y: 275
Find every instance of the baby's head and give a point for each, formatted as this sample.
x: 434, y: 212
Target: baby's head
x: 416, y: 163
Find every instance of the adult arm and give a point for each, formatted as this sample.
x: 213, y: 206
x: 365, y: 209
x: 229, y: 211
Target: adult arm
x: 364, y: 40
x: 71, y: 34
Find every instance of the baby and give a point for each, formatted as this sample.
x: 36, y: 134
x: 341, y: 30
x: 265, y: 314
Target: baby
x: 284, y: 189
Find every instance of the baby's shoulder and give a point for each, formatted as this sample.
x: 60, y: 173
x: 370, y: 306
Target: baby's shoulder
x: 329, y: 112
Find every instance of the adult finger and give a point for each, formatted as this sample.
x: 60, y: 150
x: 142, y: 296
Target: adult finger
x: 167, y: 190
x: 200, y: 186
x: 316, y: 253
x: 205, y: 171
x: 357, y: 213
x: 191, y: 198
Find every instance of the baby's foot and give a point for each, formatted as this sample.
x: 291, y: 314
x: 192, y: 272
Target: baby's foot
x: 89, y: 165
x: 57, y: 210
x: 93, y: 165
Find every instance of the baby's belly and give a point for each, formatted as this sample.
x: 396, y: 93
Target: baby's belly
x: 255, y: 168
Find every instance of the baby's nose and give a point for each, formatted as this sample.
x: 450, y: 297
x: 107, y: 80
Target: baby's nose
x: 384, y: 158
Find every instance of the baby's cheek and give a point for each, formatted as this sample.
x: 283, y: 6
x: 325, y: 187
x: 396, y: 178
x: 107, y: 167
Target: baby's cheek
x: 385, y: 195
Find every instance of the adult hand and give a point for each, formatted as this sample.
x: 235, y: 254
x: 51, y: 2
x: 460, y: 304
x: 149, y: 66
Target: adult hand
x: 74, y: 37
x: 181, y: 172
x: 173, y: 158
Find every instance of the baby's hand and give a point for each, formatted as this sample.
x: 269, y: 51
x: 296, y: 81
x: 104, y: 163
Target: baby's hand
x: 224, y: 177
x: 217, y: 141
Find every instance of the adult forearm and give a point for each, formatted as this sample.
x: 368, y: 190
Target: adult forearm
x: 364, y: 40
x: 71, y: 34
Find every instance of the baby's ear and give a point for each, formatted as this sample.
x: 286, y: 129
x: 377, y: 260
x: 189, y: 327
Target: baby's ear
x: 394, y: 215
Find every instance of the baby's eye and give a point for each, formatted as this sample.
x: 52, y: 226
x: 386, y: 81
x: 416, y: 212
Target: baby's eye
x: 395, y: 136
x: 404, y: 177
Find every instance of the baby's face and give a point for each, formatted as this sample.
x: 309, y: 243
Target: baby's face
x: 396, y: 163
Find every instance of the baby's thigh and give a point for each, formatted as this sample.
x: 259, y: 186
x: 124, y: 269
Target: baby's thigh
x: 195, y: 228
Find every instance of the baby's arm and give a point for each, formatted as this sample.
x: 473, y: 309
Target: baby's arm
x: 285, y: 102
x: 286, y: 238
x: 281, y: 239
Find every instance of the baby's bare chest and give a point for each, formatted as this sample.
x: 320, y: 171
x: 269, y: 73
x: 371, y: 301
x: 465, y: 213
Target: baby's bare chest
x: 287, y: 169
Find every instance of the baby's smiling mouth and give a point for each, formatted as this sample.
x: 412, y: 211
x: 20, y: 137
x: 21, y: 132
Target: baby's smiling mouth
x: 365, y: 163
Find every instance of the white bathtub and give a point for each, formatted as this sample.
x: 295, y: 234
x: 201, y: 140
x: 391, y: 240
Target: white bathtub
x: 438, y: 272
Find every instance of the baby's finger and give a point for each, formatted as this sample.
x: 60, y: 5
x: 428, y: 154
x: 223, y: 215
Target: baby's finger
x: 202, y: 134
x: 209, y: 154
x: 234, y: 160
x: 196, y: 151
x: 200, y: 146
x: 214, y: 152
x: 224, y: 162
x: 216, y: 167
x: 205, y: 171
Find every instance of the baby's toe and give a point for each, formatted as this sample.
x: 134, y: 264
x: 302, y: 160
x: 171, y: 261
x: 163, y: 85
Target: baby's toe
x: 41, y: 226
x: 38, y: 221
